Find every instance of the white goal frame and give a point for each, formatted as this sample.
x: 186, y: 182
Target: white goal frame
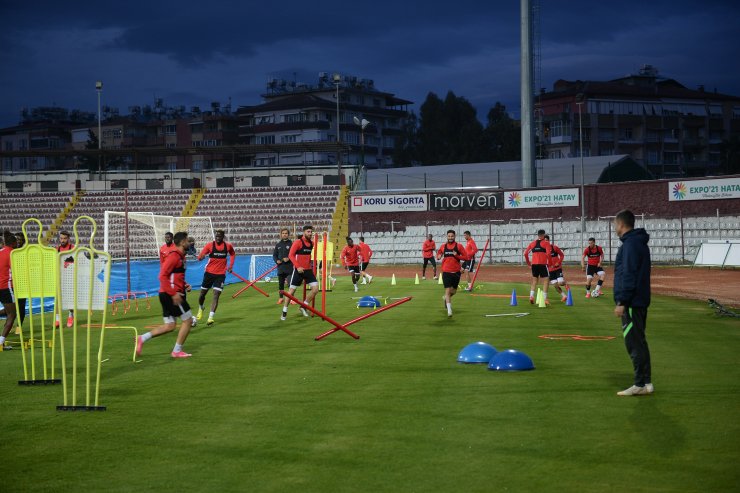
x: 146, y: 232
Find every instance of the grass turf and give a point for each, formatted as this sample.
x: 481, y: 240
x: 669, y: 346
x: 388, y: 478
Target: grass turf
x: 261, y: 406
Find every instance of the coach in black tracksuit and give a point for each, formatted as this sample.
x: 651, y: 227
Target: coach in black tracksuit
x: 632, y: 296
x: 280, y: 256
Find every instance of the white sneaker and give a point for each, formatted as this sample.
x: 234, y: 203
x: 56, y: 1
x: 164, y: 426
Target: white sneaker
x: 634, y: 390
x: 283, y: 316
x: 304, y: 312
x: 369, y: 278
x: 356, y: 288
x: 449, y: 312
x: 423, y: 278
x: 649, y: 388
x: 364, y: 281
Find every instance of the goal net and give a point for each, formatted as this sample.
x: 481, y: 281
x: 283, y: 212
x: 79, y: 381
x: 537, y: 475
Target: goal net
x: 146, y: 233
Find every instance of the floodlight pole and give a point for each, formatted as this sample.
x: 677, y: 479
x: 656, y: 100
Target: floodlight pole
x: 337, y: 80
x: 99, y: 88
x: 579, y: 102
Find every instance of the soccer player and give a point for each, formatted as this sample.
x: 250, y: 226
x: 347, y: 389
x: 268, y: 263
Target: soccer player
x: 351, y: 257
x: 280, y: 256
x: 367, y: 252
x: 20, y: 241
x: 172, y: 296
x: 65, y: 246
x: 427, y: 253
x: 541, y: 253
x: 190, y: 251
x: 469, y: 265
x: 594, y: 254
x: 215, y: 273
x: 300, y: 256
x: 167, y: 247
x: 451, y: 253
x: 6, y: 286
x: 556, y: 270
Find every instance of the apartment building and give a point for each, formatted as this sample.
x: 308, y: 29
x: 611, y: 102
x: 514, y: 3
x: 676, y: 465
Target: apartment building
x: 338, y: 108
x: 666, y: 127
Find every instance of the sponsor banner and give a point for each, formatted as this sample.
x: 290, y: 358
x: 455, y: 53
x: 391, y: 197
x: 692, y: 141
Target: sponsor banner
x: 389, y: 203
x: 528, y: 199
x: 465, y: 201
x: 725, y: 188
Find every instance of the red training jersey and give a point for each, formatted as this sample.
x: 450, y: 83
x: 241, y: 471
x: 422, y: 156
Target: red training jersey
x: 541, y: 251
x: 594, y: 254
x: 366, y: 252
x: 556, y: 257
x: 164, y: 250
x: 217, y: 257
x: 6, y: 280
x: 428, y: 248
x: 471, y: 248
x: 452, y: 254
x: 351, y: 255
x: 65, y: 248
x: 172, y: 273
x: 300, y: 253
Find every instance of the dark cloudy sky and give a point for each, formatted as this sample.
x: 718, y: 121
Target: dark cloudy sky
x: 194, y: 52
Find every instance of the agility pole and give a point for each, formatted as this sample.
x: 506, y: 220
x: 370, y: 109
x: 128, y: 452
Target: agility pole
x: 363, y: 317
x: 480, y: 264
x: 251, y: 284
x: 319, y: 314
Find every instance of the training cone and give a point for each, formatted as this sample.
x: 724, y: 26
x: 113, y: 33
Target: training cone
x: 440, y: 279
x: 393, y: 280
x: 541, y: 303
x: 569, y: 301
x: 513, y: 298
x: 416, y: 281
x: 539, y: 296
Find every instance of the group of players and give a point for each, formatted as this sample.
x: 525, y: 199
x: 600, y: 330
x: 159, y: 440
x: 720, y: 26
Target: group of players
x: 546, y: 263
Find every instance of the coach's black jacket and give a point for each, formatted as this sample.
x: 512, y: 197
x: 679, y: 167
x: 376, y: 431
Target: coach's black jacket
x: 632, y: 270
x: 281, y: 251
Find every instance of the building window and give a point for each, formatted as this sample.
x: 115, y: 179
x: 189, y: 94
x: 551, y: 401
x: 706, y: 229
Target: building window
x: 263, y: 119
x: 265, y: 139
x: 8, y: 145
x: 289, y: 139
x: 170, y: 129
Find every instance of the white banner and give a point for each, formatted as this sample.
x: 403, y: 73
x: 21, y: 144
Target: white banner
x: 528, y: 199
x: 389, y: 203
x: 726, y: 188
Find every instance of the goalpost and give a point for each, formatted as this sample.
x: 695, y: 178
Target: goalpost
x: 146, y: 233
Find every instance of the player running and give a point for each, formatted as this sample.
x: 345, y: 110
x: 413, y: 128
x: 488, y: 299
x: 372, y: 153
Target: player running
x: 427, y: 253
x: 172, y: 297
x: 66, y: 246
x: 594, y: 254
x: 556, y: 271
x: 541, y: 253
x: 367, y: 252
x: 300, y: 256
x: 469, y: 265
x: 451, y: 253
x: 280, y: 256
x: 351, y: 257
x: 215, y: 273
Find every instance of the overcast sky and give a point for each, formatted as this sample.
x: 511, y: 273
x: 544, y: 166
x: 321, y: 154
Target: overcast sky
x: 193, y: 52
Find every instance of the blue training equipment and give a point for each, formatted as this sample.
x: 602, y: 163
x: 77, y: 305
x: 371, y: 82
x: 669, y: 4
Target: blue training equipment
x: 513, y: 298
x: 511, y: 360
x: 477, y: 352
x: 368, y: 302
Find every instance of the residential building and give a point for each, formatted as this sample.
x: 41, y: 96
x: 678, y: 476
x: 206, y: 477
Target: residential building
x: 294, y: 113
x: 666, y: 127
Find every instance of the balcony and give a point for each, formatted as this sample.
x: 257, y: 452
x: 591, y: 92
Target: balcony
x: 560, y: 139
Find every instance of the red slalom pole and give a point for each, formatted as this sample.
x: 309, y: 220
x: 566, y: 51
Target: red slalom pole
x: 363, y: 317
x: 480, y: 264
x: 314, y: 266
x: 319, y: 314
x: 251, y: 284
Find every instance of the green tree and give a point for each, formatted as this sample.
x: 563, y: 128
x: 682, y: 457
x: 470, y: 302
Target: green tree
x: 503, y: 135
x: 449, y: 131
x: 405, y: 149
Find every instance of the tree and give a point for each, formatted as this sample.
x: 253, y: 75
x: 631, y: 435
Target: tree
x: 503, y: 135
x: 89, y: 161
x: 449, y: 131
x: 405, y: 148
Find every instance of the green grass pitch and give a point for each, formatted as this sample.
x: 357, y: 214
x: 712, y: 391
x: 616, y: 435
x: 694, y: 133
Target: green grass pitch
x: 263, y: 407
